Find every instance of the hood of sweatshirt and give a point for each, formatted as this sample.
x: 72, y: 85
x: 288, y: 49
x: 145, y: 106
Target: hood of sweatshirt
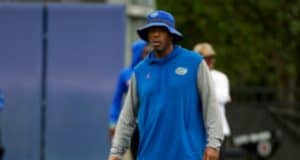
x: 137, y: 49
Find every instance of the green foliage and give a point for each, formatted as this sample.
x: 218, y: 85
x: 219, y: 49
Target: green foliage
x: 256, y: 41
x: 93, y: 1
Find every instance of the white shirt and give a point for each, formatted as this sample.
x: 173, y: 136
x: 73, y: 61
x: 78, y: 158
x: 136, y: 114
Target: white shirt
x: 222, y: 92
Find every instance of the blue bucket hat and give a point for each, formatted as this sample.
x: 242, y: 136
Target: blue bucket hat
x: 160, y: 18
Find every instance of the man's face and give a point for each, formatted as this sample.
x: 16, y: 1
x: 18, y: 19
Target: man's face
x: 210, y: 61
x: 159, y: 39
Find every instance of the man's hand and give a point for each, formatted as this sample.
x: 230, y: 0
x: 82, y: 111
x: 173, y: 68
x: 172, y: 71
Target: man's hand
x: 114, y: 158
x: 211, y: 154
x: 111, y: 132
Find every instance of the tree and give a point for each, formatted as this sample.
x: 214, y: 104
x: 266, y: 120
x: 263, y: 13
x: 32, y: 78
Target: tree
x: 256, y: 41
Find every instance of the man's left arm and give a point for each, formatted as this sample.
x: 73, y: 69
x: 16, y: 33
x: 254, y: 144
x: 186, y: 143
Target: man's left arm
x: 211, y: 113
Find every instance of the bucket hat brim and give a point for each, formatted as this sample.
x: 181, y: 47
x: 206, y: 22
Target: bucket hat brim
x: 142, y: 32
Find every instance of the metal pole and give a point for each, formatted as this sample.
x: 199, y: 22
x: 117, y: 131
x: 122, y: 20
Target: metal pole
x: 44, y: 82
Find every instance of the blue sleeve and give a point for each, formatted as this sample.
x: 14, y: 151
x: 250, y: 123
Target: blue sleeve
x: 116, y: 105
x: 1, y: 100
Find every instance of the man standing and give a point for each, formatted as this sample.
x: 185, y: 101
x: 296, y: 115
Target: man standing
x: 221, y: 83
x: 172, y: 97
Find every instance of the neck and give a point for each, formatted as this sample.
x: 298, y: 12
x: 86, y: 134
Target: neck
x: 165, y: 52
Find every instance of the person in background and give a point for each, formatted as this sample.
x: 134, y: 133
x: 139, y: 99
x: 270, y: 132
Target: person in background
x: 172, y: 96
x: 221, y: 83
x: 139, y: 51
x: 1, y: 100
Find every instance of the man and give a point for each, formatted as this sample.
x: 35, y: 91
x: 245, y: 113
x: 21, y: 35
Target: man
x: 221, y: 83
x: 139, y: 50
x: 172, y: 97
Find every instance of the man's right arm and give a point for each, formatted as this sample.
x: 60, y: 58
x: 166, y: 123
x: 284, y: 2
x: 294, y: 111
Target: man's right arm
x: 116, y: 105
x: 114, y: 158
x: 126, y: 123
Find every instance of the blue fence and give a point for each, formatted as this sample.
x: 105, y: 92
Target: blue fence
x: 58, y: 66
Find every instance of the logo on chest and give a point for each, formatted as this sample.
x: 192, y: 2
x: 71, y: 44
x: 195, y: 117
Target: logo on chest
x: 181, y: 71
x: 148, y: 76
